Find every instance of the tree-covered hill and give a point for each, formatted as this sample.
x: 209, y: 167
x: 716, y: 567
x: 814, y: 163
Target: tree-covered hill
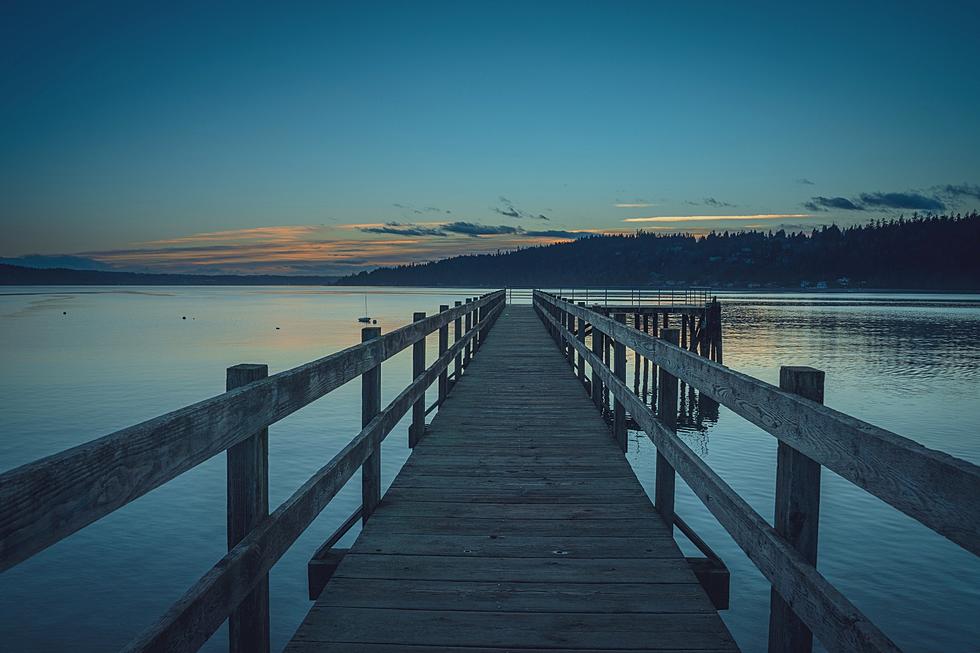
x: 934, y: 252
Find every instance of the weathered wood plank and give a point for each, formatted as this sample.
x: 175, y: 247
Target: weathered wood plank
x: 524, y: 596
x: 517, y: 546
x: 517, y: 570
x: 514, y: 629
x: 297, y: 646
x: 497, y: 527
x: 619, y: 510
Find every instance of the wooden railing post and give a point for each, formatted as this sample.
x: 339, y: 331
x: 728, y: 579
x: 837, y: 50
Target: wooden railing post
x: 443, y: 348
x: 457, y: 334
x: 248, y: 504
x: 667, y: 413
x: 581, y: 339
x: 370, y: 406
x: 570, y: 325
x: 619, y: 369
x: 597, y: 347
x: 469, y: 325
x: 417, y: 428
x: 797, y: 513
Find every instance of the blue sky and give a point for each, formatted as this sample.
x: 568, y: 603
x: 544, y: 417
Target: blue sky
x: 292, y: 137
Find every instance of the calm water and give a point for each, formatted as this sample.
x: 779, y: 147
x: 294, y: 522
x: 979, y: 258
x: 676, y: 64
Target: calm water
x: 908, y: 363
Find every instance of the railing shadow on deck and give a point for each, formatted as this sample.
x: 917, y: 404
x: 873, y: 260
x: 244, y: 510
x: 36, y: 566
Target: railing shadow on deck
x: 48, y: 500
x: 938, y: 490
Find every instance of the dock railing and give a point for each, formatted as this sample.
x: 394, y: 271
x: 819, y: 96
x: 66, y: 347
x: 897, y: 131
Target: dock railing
x: 936, y: 489
x: 612, y: 297
x: 46, y: 501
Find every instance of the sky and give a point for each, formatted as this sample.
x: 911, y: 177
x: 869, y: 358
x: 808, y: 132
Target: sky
x: 328, y: 138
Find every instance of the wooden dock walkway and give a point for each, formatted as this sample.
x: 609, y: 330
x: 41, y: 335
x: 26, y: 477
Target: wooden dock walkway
x: 516, y: 524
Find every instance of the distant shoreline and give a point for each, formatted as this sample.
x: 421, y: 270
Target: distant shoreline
x: 14, y: 275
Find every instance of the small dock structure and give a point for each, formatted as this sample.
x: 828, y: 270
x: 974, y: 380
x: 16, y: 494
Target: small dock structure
x: 516, y: 524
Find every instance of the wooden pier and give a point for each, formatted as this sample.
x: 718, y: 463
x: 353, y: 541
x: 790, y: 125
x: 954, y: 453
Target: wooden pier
x: 516, y: 523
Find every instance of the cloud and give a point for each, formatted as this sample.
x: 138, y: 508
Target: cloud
x: 558, y: 233
x: 705, y: 218
x: 56, y: 261
x: 266, y: 234
x: 710, y: 201
x: 636, y: 203
x: 420, y: 211
x: 473, y: 229
x: 508, y: 209
x: 909, y: 200
x: 956, y: 191
x: 804, y: 181
x: 399, y: 229
x: 823, y: 203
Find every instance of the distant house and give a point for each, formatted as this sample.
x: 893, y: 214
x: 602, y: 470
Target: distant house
x: 843, y: 282
x: 821, y: 284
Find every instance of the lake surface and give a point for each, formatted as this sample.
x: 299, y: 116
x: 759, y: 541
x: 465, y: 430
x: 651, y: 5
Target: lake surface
x: 77, y: 363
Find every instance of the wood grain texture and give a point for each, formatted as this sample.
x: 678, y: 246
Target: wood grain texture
x: 51, y: 498
x: 930, y: 486
x: 515, y: 523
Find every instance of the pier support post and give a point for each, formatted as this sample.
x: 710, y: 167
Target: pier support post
x: 667, y: 413
x: 248, y: 504
x: 581, y: 339
x: 597, y: 347
x: 477, y: 318
x: 570, y: 319
x: 646, y: 361
x: 443, y: 348
x: 636, y: 358
x: 370, y: 406
x: 457, y: 334
x: 417, y: 428
x: 619, y: 369
x: 797, y: 513
x: 469, y: 326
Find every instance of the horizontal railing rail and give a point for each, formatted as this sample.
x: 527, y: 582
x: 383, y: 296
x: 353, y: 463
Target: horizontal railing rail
x: 51, y: 498
x: 937, y: 489
x: 637, y: 297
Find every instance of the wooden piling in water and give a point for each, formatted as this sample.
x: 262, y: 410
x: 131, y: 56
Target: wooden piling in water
x: 417, y: 428
x: 797, y: 513
x: 619, y: 369
x: 248, y: 505
x: 664, y: 483
x: 370, y: 406
x: 443, y: 348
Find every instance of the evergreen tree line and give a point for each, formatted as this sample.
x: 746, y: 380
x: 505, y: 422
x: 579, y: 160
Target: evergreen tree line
x: 923, y: 252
